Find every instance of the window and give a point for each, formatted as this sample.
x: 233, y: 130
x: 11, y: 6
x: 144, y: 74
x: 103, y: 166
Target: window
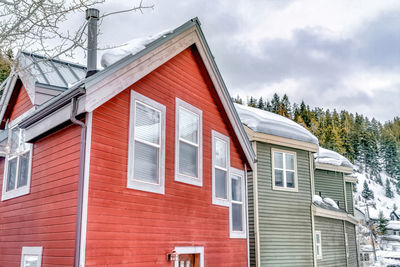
x: 220, y: 163
x: 284, y: 174
x: 146, y: 159
x: 318, y: 244
x: 237, y: 211
x: 188, y: 144
x: 31, y: 257
x: 347, y: 244
x: 18, y: 162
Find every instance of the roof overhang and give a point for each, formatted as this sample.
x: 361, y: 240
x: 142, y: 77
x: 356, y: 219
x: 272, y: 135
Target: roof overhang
x: 131, y: 69
x: 350, y: 179
x: 321, y: 212
x: 278, y: 140
x: 334, y: 168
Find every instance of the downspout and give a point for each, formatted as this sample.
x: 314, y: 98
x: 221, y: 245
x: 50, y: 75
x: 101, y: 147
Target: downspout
x: 256, y: 213
x: 247, y: 215
x: 311, y: 159
x: 78, y: 230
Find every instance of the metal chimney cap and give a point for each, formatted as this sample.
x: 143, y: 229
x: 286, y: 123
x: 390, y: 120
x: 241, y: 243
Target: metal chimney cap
x: 92, y: 13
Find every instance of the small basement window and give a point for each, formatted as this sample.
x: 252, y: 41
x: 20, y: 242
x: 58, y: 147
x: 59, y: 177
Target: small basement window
x: 318, y: 244
x: 17, y: 170
x: 146, y: 161
x: 31, y: 257
x: 188, y: 144
x: 284, y: 173
x: 220, y: 163
x: 237, y: 212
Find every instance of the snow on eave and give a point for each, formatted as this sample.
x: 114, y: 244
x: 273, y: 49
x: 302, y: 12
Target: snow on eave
x: 270, y: 123
x: 326, y: 156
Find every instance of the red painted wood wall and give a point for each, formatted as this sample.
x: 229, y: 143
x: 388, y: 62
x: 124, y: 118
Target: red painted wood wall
x: 128, y: 227
x: 22, y: 104
x: 45, y: 217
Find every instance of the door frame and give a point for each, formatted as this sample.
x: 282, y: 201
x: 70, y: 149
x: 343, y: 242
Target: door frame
x: 190, y: 250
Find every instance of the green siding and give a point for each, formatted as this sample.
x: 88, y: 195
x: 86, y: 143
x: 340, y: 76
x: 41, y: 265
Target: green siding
x: 349, y: 196
x: 284, y: 217
x: 333, y: 242
x: 331, y: 185
x: 250, y: 189
x: 351, y: 237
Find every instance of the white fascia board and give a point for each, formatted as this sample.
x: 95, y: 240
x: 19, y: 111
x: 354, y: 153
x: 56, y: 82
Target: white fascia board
x: 53, y: 120
x: 7, y: 94
x: 350, y: 179
x: 320, y: 212
x: 329, y: 167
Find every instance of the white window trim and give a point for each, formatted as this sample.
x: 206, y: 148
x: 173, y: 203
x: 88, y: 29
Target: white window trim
x: 24, y: 190
x: 136, y: 184
x: 319, y: 257
x: 190, y: 250
x: 36, y: 251
x: 238, y: 234
x: 216, y: 200
x: 284, y: 188
x: 198, y: 181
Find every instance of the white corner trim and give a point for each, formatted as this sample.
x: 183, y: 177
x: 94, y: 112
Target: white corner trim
x: 198, y: 181
x: 131, y: 182
x: 296, y: 180
x: 236, y: 234
x: 224, y: 138
x: 82, y: 254
x: 190, y: 250
x: 256, y: 210
x: 35, y: 251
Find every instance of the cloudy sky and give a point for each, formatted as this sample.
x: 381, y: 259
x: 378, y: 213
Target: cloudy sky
x: 341, y: 54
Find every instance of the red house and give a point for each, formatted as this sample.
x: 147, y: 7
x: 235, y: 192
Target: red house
x: 141, y: 164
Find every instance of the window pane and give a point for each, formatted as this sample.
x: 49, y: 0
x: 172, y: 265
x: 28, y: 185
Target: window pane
x: 187, y: 159
x: 31, y: 261
x: 14, y: 139
x: 317, y: 237
x: 188, y: 125
x: 278, y: 178
x: 147, y: 125
x: 11, y: 175
x: 146, y: 163
x: 220, y: 153
x: 23, y: 170
x: 236, y: 188
x: 220, y: 184
x: 290, y: 179
x: 237, y: 217
x: 289, y: 161
x: 278, y: 160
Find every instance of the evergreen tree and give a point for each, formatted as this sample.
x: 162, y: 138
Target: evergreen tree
x: 286, y: 108
x: 237, y: 100
x: 252, y: 102
x: 390, y: 154
x: 388, y: 190
x: 398, y: 187
x: 367, y: 194
x: 268, y: 106
x: 261, y: 103
x: 275, y: 103
x: 382, y: 224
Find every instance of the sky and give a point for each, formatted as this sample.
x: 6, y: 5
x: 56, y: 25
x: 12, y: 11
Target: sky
x: 341, y: 54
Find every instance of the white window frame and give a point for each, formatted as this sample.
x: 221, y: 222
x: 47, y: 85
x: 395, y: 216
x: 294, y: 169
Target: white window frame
x: 284, y: 187
x: 318, y: 245
x: 347, y: 245
x: 216, y: 200
x: 198, y: 181
x: 23, y: 190
x: 34, y: 251
x: 238, y: 234
x: 137, y: 184
x: 190, y: 250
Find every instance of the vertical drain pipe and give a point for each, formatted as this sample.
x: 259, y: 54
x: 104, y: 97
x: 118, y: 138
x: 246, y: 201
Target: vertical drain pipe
x: 78, y: 231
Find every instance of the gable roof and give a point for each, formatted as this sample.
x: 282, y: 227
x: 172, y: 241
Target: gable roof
x: 327, y: 159
x: 107, y: 83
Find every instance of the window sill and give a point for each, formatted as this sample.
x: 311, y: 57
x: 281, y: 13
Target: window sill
x: 221, y: 202
x: 147, y: 187
x: 241, y: 235
x: 189, y: 180
x: 277, y: 188
x: 15, y: 193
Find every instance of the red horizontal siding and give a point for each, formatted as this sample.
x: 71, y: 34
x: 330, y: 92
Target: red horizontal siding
x: 129, y: 227
x: 47, y: 216
x: 22, y: 104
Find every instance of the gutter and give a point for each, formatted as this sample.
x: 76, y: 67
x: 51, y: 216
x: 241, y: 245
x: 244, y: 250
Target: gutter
x: 80, y: 179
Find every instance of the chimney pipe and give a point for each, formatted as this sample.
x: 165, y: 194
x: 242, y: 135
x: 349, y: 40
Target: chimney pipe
x: 92, y: 16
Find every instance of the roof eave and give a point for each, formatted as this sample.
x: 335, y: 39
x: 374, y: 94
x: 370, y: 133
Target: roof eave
x: 330, y: 167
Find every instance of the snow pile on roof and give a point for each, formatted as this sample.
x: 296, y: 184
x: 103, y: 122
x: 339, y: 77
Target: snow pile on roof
x: 325, y: 202
x: 131, y: 47
x: 394, y: 225
x: 273, y: 124
x: 330, y: 157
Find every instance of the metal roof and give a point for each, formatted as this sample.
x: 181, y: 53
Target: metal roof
x: 52, y: 73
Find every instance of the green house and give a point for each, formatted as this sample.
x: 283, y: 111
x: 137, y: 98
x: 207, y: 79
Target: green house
x: 280, y: 190
x: 334, y: 221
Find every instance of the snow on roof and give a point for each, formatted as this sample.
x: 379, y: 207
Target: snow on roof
x: 271, y: 123
x: 131, y: 47
x: 326, y: 202
x: 330, y: 157
x: 393, y: 225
